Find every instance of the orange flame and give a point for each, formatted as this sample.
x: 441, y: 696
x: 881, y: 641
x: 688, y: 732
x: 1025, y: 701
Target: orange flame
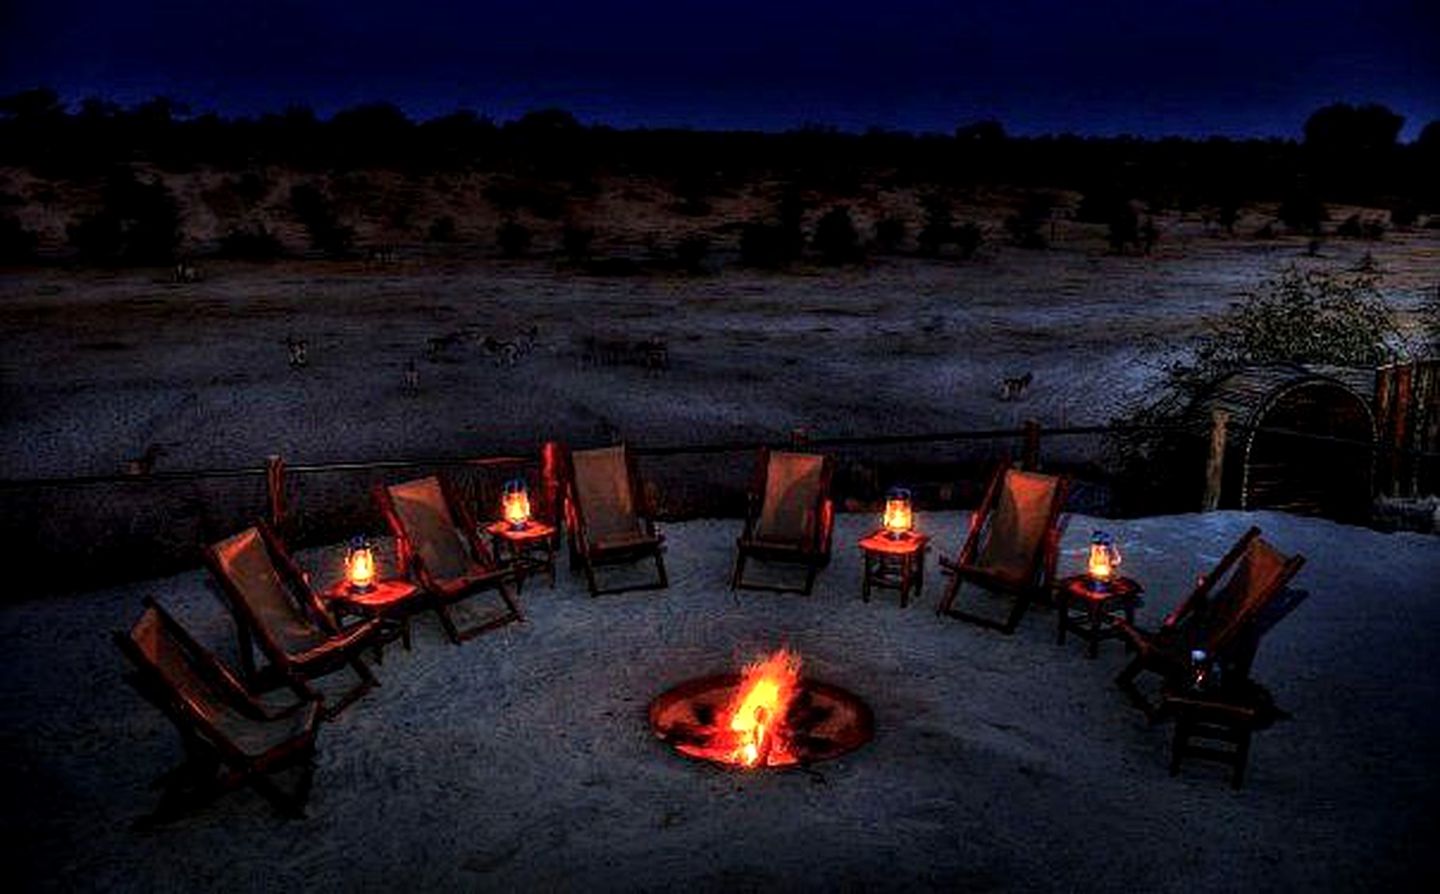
x: 1099, y: 565
x: 516, y: 505
x: 898, y: 519
x: 757, y: 714
x: 360, y: 568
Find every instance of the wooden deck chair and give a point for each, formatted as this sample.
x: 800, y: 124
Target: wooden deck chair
x: 609, y: 519
x: 274, y: 606
x: 789, y: 517
x: 1223, y: 616
x: 440, y: 546
x: 230, y: 739
x: 1011, y: 545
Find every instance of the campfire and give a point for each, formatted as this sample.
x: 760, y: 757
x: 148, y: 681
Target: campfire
x: 766, y: 716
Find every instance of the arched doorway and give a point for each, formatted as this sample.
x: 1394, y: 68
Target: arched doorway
x: 1309, y: 449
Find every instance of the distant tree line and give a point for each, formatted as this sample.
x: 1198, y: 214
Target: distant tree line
x: 1348, y: 153
x: 545, y: 158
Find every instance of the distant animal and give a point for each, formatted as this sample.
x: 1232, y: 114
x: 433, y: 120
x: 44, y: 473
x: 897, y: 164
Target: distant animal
x: 383, y: 254
x: 144, y: 464
x: 186, y: 272
x: 503, y: 351
x: 656, y: 355
x: 298, y: 350
x: 411, y: 378
x: 526, y: 339
x: 1014, y: 387
x: 439, y: 344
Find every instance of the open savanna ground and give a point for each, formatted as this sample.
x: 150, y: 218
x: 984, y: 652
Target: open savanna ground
x: 100, y: 367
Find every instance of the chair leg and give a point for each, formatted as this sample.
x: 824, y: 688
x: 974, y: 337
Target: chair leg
x: 447, y: 623
x: 590, y: 577
x: 1022, y: 604
x: 1178, y: 743
x: 284, y: 804
x: 809, y: 579
x: 367, y: 682
x: 660, y: 568
x: 511, y: 602
x: 951, y: 590
x: 739, y: 570
x: 1242, y: 758
x: 189, y: 786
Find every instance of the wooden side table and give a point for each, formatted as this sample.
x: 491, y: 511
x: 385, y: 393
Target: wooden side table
x: 392, y: 599
x: 894, y: 563
x: 1089, y: 609
x: 528, y: 549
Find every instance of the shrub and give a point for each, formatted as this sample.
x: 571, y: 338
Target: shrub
x: 513, y: 238
x: 138, y: 223
x: 1353, y: 227
x: 693, y: 190
x: 1026, y: 226
x: 544, y: 200
x: 1099, y: 206
x: 939, y: 227
x: 691, y: 251
x: 1025, y: 232
x: 1404, y: 213
x: 968, y: 239
x: 1123, y: 227
x: 1149, y: 235
x: 1302, y: 213
x: 1228, y: 215
x: 889, y: 234
x: 835, y: 237
x: 1300, y: 317
x: 575, y: 241
x: 442, y: 229
x: 317, y: 215
x: 251, y: 244
x: 765, y: 245
x: 17, y: 244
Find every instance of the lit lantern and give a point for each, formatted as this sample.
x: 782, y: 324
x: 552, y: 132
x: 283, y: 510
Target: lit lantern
x: 515, y: 503
x: 899, y: 518
x: 360, y: 565
x: 1104, y: 557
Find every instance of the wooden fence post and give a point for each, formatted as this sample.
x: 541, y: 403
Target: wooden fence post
x: 275, y: 488
x: 1030, y: 452
x: 1215, y: 464
x: 1400, y: 435
x: 1384, y: 410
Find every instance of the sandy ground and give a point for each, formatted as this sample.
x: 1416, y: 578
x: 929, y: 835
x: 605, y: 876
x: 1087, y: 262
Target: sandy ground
x: 98, y: 368
x: 522, y: 760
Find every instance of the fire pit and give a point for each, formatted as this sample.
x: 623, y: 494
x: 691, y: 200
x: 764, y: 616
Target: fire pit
x: 766, y: 716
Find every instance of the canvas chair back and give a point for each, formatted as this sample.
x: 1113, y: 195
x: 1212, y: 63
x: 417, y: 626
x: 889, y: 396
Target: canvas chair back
x: 429, y: 526
x: 790, y: 507
x: 158, y: 647
x: 604, y: 494
x: 245, y: 561
x: 1018, y: 523
x: 1258, y: 576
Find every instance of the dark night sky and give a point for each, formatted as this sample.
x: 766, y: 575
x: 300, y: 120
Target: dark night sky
x: 1189, y: 67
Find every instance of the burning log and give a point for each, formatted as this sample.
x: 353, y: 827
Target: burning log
x: 766, y: 716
